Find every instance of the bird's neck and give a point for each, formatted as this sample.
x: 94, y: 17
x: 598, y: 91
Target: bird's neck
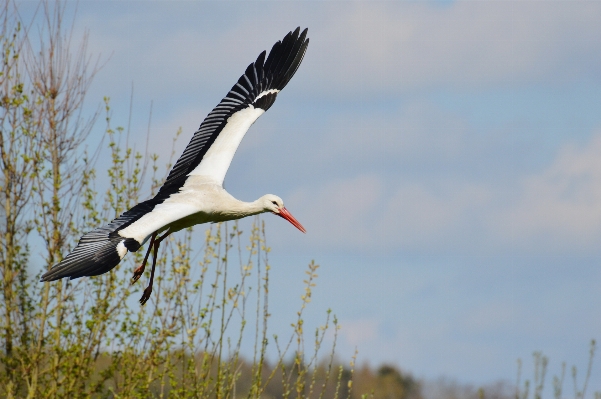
x: 255, y: 207
x: 243, y: 209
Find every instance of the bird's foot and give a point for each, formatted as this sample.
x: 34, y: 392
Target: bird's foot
x: 146, y: 295
x: 137, y: 273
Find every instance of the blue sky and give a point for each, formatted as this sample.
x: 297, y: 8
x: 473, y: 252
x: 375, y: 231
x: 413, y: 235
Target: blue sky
x: 444, y: 157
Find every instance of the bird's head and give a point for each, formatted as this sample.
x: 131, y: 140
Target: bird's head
x: 274, y: 204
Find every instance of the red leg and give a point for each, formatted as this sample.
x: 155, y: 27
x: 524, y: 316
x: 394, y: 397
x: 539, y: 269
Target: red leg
x: 140, y: 269
x: 148, y: 290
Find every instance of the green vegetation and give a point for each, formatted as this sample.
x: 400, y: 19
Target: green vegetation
x: 537, y: 384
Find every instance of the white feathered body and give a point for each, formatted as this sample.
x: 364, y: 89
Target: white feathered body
x: 199, y: 201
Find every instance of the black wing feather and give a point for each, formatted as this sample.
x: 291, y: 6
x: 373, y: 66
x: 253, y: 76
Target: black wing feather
x: 95, y: 256
x: 96, y: 252
x: 274, y: 73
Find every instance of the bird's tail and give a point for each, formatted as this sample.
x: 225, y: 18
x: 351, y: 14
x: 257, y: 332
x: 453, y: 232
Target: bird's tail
x: 96, y: 253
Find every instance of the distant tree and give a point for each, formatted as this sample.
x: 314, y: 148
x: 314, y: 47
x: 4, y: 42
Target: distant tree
x: 387, y: 382
x: 392, y: 384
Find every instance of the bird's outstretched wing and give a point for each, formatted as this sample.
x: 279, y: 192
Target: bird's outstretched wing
x: 212, y: 147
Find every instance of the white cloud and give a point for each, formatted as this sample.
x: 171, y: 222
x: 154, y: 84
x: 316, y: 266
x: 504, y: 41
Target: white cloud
x: 416, y: 130
x: 359, y: 332
x: 491, y: 318
x: 559, y: 208
x: 338, y: 210
x: 368, y: 212
x: 556, y: 210
x: 356, y: 47
x: 392, y: 46
x: 418, y: 216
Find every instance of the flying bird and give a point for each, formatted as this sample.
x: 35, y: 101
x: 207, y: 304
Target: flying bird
x: 193, y: 192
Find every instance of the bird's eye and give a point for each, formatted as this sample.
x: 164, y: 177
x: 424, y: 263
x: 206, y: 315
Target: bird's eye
x: 274, y: 203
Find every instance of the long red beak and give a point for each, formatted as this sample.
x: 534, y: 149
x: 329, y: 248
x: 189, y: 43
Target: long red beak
x: 288, y: 216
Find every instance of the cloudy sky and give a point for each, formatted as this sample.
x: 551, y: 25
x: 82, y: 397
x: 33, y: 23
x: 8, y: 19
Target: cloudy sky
x: 445, y: 158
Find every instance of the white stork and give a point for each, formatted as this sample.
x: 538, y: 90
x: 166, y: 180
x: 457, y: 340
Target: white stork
x: 193, y: 192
